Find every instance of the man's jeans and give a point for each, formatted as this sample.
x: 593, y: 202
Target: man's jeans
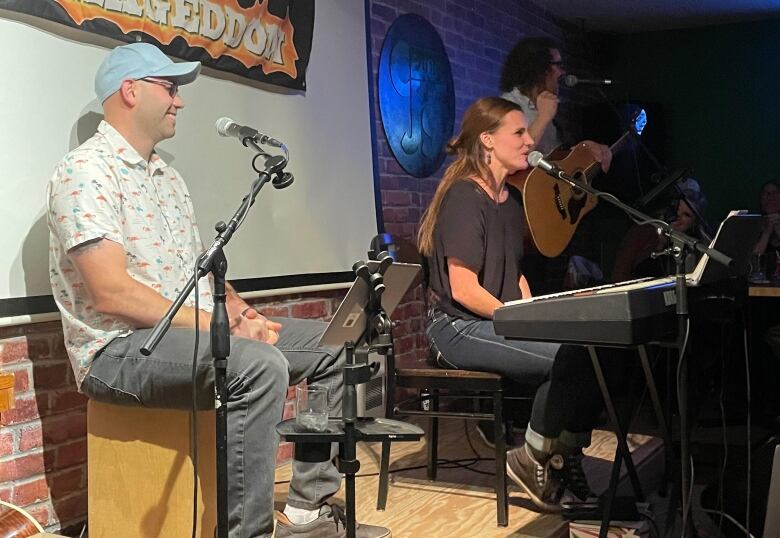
x: 258, y: 375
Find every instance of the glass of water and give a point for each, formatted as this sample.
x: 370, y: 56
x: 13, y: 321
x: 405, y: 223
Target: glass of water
x: 756, y: 269
x: 311, y: 408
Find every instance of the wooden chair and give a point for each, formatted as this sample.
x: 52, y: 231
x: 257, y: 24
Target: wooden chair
x: 140, y: 472
x: 434, y: 384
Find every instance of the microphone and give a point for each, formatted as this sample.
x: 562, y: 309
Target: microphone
x: 227, y: 127
x: 573, y: 80
x: 537, y: 160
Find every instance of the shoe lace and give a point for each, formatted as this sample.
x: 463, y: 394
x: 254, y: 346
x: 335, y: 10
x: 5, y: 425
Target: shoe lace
x: 541, y: 474
x: 574, y: 476
x: 338, y: 515
x: 548, y: 485
x: 540, y: 471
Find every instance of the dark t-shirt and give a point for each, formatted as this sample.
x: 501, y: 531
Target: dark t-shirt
x: 487, y: 237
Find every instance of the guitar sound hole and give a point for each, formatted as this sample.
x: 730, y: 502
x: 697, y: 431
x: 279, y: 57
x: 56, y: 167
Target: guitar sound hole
x: 579, y: 176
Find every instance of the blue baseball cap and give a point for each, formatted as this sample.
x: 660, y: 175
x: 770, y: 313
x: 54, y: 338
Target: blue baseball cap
x: 136, y: 61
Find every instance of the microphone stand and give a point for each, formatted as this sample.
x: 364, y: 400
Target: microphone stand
x: 680, y: 244
x: 213, y: 261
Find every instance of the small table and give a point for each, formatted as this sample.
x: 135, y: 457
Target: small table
x: 368, y: 429
x: 764, y: 290
x: 313, y: 447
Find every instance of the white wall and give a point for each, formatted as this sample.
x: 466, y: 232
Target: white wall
x: 322, y: 223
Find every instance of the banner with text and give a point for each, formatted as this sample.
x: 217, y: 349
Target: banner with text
x: 264, y: 40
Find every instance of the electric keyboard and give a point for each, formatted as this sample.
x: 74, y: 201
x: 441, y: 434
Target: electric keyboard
x: 627, y: 313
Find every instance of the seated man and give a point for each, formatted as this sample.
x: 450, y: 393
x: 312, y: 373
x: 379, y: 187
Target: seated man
x: 123, y: 243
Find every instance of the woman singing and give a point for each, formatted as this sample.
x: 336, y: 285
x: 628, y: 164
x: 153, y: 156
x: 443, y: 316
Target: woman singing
x: 472, y: 235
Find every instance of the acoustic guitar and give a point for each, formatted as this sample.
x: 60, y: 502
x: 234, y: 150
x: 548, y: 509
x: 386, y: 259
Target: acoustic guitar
x: 553, y: 208
x: 16, y: 523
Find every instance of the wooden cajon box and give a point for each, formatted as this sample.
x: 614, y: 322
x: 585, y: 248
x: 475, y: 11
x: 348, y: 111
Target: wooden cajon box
x: 140, y: 472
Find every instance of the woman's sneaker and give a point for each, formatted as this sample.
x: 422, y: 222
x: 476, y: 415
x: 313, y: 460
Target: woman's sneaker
x: 573, y: 477
x: 535, y: 478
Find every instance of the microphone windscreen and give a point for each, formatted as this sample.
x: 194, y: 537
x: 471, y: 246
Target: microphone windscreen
x: 535, y: 157
x: 570, y: 81
x: 223, y: 125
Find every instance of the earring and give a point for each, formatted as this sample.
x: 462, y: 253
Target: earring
x: 487, y: 158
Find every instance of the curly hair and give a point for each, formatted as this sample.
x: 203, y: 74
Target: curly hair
x: 527, y: 63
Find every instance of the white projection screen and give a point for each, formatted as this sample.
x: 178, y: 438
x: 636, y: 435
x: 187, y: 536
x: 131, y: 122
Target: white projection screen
x: 307, y: 235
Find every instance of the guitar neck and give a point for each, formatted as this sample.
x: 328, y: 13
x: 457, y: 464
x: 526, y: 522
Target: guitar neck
x: 594, y: 167
x: 620, y: 142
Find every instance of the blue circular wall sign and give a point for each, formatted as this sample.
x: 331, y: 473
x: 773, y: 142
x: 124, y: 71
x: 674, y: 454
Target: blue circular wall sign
x: 416, y: 94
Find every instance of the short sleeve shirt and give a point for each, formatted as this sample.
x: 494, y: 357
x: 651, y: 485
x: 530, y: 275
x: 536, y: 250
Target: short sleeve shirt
x: 486, y: 236
x: 550, y: 139
x: 105, y: 189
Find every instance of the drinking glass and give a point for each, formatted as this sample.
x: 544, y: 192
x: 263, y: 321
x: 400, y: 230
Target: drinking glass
x: 311, y: 408
x: 756, y: 268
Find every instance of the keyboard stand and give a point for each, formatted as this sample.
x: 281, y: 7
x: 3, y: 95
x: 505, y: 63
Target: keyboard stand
x: 622, y: 453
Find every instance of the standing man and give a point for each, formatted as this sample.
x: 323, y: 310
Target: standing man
x: 530, y: 79
x: 123, y: 243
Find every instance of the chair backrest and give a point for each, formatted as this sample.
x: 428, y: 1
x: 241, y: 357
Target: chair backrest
x: 401, y: 249
x: 382, y: 242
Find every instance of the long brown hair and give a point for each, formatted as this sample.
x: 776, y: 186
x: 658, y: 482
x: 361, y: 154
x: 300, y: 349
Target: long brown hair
x: 484, y: 115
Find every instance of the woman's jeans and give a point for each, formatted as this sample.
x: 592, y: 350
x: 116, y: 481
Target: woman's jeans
x: 567, y: 403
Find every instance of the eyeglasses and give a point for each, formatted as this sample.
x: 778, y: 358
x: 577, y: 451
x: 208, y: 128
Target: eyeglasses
x: 172, y: 87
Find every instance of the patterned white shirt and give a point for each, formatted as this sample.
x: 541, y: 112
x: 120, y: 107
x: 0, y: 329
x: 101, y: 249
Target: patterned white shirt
x: 105, y: 189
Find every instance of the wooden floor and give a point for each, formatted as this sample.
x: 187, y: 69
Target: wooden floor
x: 461, y: 503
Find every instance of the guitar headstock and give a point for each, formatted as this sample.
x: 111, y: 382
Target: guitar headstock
x: 638, y: 121
x: 634, y: 116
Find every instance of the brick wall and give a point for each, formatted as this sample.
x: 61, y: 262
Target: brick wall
x: 42, y: 440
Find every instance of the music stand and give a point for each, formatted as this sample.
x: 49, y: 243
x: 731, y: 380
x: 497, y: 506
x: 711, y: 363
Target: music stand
x: 362, y: 325
x: 733, y: 240
x: 350, y: 321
